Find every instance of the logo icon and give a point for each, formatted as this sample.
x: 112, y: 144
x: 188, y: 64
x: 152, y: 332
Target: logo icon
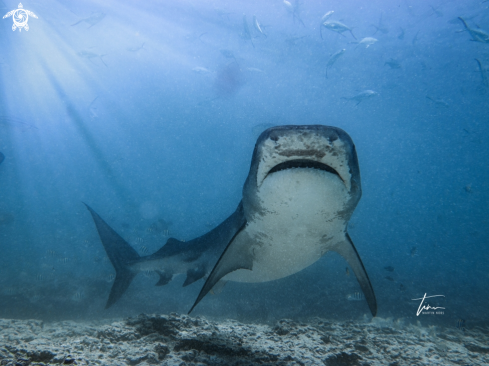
x: 20, y: 17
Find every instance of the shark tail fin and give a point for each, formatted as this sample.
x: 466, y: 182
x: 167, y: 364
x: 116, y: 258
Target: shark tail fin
x: 120, y: 254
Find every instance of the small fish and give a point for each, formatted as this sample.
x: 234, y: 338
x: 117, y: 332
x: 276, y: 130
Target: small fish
x: 63, y: 260
x: 482, y: 70
x: 111, y: 277
x: 292, y: 41
x: 294, y: 10
x: 389, y: 278
x: 258, y: 26
x: 415, y: 39
x: 401, y: 35
x: 246, y: 31
x: 414, y: 251
x: 52, y: 253
x: 40, y: 277
x: 254, y: 69
x: 439, y: 102
x: 367, y: 41
x: 89, y: 55
x: 15, y: 122
x: 437, y: 12
x: 92, y: 19
x: 77, y: 296
x: 201, y: 70
x: 227, y: 54
x: 366, y: 94
x: 149, y: 273
x: 326, y: 16
x: 144, y: 249
x: 461, y: 324
x: 223, y: 13
x: 86, y: 241
x: 337, y: 27
x: 357, y: 296
x: 347, y: 271
x: 393, y: 64
x: 468, y: 188
x: 389, y: 268
x: 160, y: 226
x: 335, y: 56
x: 380, y: 28
x: 478, y: 35
x: 402, y: 287
x: 139, y: 240
x: 135, y: 49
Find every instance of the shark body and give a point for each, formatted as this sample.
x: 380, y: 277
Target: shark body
x: 302, y: 188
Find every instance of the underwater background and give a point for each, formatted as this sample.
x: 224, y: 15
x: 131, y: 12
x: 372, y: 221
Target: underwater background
x: 149, y: 111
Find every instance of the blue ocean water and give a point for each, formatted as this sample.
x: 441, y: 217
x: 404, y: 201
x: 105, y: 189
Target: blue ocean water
x: 149, y: 112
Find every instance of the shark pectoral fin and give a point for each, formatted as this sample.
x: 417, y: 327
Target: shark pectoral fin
x: 165, y: 277
x: 217, y: 289
x: 347, y: 250
x: 194, y: 274
x: 237, y: 255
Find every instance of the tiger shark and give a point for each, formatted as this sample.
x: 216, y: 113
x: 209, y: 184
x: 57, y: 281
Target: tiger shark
x: 301, y: 190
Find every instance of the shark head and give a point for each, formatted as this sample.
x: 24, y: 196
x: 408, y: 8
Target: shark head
x: 328, y: 150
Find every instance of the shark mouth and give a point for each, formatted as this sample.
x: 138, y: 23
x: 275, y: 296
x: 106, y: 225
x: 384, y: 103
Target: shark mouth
x: 303, y: 163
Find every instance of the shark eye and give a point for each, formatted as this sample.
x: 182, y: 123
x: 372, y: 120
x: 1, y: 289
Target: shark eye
x: 303, y: 163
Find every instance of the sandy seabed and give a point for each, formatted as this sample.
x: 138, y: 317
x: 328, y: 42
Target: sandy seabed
x: 182, y: 340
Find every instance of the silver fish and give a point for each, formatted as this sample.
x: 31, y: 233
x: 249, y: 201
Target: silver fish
x: 438, y: 102
x: 380, y: 27
x: 478, y: 35
x: 89, y: 55
x: 337, y: 27
x: 356, y: 296
x: 366, y: 94
x: 333, y: 59
x: 246, y: 31
x: 326, y: 16
x: 394, y: 64
x: 135, y: 49
x: 367, y: 41
x: 484, y: 81
x: 92, y: 19
x: 258, y: 26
